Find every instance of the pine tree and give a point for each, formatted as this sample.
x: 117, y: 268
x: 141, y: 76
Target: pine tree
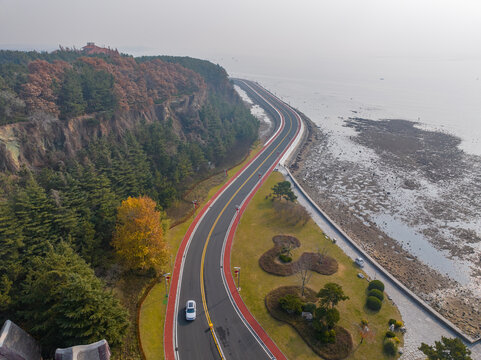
x: 63, y: 303
x: 34, y: 211
x: 137, y: 158
x: 97, y: 89
x: 164, y: 190
x: 70, y: 100
x: 11, y: 239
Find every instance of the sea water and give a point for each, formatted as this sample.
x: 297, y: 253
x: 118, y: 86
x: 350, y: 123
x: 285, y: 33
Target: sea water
x: 438, y: 94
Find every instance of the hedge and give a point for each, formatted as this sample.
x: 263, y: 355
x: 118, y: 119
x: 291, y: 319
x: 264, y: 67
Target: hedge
x: 390, y: 348
x: 373, y: 303
x: 376, y: 284
x: 377, y: 293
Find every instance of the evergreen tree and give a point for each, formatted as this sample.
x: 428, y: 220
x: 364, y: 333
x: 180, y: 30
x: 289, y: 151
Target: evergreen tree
x: 63, y: 303
x: 331, y: 294
x: 34, y: 211
x: 5, y: 287
x: 97, y: 89
x: 164, y: 190
x: 64, y: 218
x: 283, y: 190
x: 446, y: 349
x: 140, y: 164
x: 11, y: 239
x: 70, y: 100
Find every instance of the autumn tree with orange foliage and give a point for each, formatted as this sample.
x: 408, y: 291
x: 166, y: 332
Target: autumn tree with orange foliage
x: 139, y: 238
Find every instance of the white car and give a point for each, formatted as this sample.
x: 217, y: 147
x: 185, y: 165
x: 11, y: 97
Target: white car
x: 359, y: 262
x: 190, y: 310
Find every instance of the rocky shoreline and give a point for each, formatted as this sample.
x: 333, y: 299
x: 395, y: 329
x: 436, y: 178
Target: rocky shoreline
x: 353, y: 193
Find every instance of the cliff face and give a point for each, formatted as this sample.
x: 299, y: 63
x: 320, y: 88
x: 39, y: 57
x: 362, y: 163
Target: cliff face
x: 92, y: 131
x: 45, y: 140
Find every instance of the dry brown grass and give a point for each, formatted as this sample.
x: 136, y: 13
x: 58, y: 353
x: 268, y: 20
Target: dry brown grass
x: 291, y: 213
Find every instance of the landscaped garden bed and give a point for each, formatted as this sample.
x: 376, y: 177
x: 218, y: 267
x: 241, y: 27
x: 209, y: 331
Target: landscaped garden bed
x: 338, y: 350
x: 260, y: 224
x: 270, y: 261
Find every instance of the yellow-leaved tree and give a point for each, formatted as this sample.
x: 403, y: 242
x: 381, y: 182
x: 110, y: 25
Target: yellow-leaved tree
x: 139, y: 237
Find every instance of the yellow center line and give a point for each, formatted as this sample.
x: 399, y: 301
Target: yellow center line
x: 202, y: 290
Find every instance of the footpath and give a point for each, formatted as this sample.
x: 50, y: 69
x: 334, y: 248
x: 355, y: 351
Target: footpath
x: 424, y: 323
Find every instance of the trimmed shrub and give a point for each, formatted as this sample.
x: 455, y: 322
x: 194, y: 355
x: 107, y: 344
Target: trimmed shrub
x: 373, y: 303
x: 390, y: 348
x: 327, y: 336
x: 309, y: 307
x: 291, y: 304
x: 376, y: 284
x: 285, y: 258
x: 398, y: 324
x: 377, y: 293
x: 392, y: 321
x: 390, y: 334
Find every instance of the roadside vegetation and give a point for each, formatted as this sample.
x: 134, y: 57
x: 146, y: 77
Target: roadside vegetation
x: 153, y: 307
x: 62, y: 227
x: 446, y: 349
x: 276, y: 301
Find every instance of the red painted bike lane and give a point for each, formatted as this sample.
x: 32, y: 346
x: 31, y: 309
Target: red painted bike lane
x: 256, y: 327
x: 169, y: 346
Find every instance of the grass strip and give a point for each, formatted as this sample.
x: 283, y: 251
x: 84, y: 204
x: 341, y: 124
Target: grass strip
x: 152, y: 310
x: 258, y: 226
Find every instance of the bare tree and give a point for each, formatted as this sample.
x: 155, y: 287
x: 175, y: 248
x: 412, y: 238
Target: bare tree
x: 287, y: 248
x: 303, y: 273
x: 322, y: 253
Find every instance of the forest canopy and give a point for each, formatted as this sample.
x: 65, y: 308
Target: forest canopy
x: 57, y: 220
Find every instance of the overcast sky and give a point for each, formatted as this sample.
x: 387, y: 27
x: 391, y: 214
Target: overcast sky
x: 257, y: 30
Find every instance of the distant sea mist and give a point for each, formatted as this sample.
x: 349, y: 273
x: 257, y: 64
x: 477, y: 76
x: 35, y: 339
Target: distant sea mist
x: 442, y: 94
x: 398, y: 163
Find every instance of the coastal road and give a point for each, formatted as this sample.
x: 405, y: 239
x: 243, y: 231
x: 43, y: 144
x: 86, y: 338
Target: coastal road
x: 220, y: 330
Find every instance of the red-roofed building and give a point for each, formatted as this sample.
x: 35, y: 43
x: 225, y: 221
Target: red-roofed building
x: 91, y: 48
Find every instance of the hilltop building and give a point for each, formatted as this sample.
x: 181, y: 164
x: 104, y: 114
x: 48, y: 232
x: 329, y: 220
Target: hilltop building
x: 91, y: 48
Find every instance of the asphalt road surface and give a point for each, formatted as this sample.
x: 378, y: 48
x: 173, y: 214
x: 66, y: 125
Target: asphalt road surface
x: 195, y: 339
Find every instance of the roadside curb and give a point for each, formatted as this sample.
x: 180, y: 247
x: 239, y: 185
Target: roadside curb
x: 235, y: 296
x: 169, y: 345
x: 191, y: 212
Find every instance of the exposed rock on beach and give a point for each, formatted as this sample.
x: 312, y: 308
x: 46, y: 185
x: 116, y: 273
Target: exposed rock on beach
x: 409, y: 197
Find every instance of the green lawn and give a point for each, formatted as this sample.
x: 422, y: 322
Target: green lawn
x: 254, y: 236
x: 152, y: 311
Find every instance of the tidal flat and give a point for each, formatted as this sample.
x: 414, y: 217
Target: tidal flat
x: 409, y: 197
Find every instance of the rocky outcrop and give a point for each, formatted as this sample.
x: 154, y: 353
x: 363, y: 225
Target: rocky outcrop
x: 44, y: 139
